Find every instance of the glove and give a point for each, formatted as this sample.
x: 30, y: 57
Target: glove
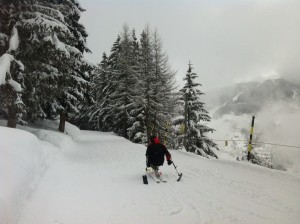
x: 170, y: 162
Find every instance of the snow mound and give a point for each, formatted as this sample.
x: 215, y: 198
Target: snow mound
x: 23, y: 161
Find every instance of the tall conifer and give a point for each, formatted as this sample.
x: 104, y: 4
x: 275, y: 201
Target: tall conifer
x: 52, y: 43
x: 195, y: 118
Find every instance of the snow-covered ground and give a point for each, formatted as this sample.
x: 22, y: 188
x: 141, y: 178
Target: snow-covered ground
x: 85, y: 177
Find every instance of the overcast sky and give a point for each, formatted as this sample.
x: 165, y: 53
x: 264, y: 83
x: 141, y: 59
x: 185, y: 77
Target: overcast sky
x: 227, y: 41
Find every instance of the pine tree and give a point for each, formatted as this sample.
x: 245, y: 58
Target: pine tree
x: 52, y: 43
x: 152, y: 97
x: 195, y: 118
x: 11, y: 69
x: 147, y: 79
x: 133, y: 88
x: 136, y: 115
x: 125, y: 83
x: 100, y: 113
x: 157, y: 84
x: 162, y: 88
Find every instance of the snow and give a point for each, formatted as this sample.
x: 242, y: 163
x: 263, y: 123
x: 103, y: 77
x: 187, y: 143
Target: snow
x: 88, y: 62
x: 65, y: 48
x: 60, y: 46
x: 234, y: 99
x: 74, y: 50
x: 5, y: 63
x: 93, y: 177
x: 14, y: 40
x: 15, y: 85
x: 57, y: 13
x: 47, y: 22
x: 24, y: 159
x: 21, y: 65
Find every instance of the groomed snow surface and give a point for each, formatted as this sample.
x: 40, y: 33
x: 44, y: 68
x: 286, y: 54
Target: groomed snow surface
x: 85, y: 177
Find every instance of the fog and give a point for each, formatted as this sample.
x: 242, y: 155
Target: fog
x: 277, y: 124
x: 227, y: 41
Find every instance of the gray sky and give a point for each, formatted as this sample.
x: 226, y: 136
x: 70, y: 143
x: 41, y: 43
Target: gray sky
x: 227, y: 41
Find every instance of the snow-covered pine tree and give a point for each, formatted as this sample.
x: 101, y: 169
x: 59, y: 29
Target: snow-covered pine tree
x: 157, y: 83
x: 163, y: 86
x: 99, y: 114
x: 11, y: 77
x: 5, y: 25
x: 147, y: 79
x: 195, y: 119
x: 136, y: 128
x: 52, y: 43
x: 75, y: 84
x: 125, y: 85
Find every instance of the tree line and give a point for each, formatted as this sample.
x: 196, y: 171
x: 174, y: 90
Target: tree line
x: 132, y: 91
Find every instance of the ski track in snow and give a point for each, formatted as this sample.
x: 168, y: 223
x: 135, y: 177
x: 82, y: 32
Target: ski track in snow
x: 97, y: 179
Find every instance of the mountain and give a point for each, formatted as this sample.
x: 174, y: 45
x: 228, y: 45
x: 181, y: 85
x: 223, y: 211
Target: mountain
x: 249, y: 98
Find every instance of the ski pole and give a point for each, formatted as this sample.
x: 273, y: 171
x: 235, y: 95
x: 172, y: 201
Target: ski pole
x: 179, y: 174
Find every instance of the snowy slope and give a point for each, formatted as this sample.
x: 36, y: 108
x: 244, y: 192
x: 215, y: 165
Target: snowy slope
x: 97, y: 178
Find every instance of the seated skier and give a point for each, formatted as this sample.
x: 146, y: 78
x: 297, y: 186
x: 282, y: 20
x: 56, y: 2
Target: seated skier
x: 155, y: 155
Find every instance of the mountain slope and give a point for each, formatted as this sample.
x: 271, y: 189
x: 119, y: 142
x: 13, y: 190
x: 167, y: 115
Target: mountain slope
x: 97, y: 178
x: 249, y: 98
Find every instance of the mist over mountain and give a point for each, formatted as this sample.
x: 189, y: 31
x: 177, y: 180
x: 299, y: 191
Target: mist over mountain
x: 275, y: 103
x: 250, y: 98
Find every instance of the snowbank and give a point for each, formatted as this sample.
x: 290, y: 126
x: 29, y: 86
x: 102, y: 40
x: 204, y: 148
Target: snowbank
x: 25, y: 155
x: 23, y: 161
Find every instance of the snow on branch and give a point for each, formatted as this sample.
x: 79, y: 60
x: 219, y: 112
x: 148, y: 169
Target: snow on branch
x: 17, y: 87
x: 46, y: 22
x: 14, y: 40
x: 73, y: 50
x: 5, y: 64
x: 65, y: 48
x: 53, y: 12
x: 79, y: 79
x: 60, y: 45
x: 5, y: 61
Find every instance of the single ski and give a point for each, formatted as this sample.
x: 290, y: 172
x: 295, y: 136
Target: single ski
x: 157, y: 180
x: 158, y: 176
x: 162, y: 180
x: 145, y: 179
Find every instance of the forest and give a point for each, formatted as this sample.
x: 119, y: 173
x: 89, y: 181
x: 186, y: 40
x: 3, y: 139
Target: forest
x: 131, y: 91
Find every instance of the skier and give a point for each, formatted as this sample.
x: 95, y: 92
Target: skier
x: 155, y: 155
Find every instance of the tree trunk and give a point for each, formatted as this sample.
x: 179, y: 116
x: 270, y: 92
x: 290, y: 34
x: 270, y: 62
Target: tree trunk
x: 62, y: 121
x: 185, y: 123
x: 12, y: 117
